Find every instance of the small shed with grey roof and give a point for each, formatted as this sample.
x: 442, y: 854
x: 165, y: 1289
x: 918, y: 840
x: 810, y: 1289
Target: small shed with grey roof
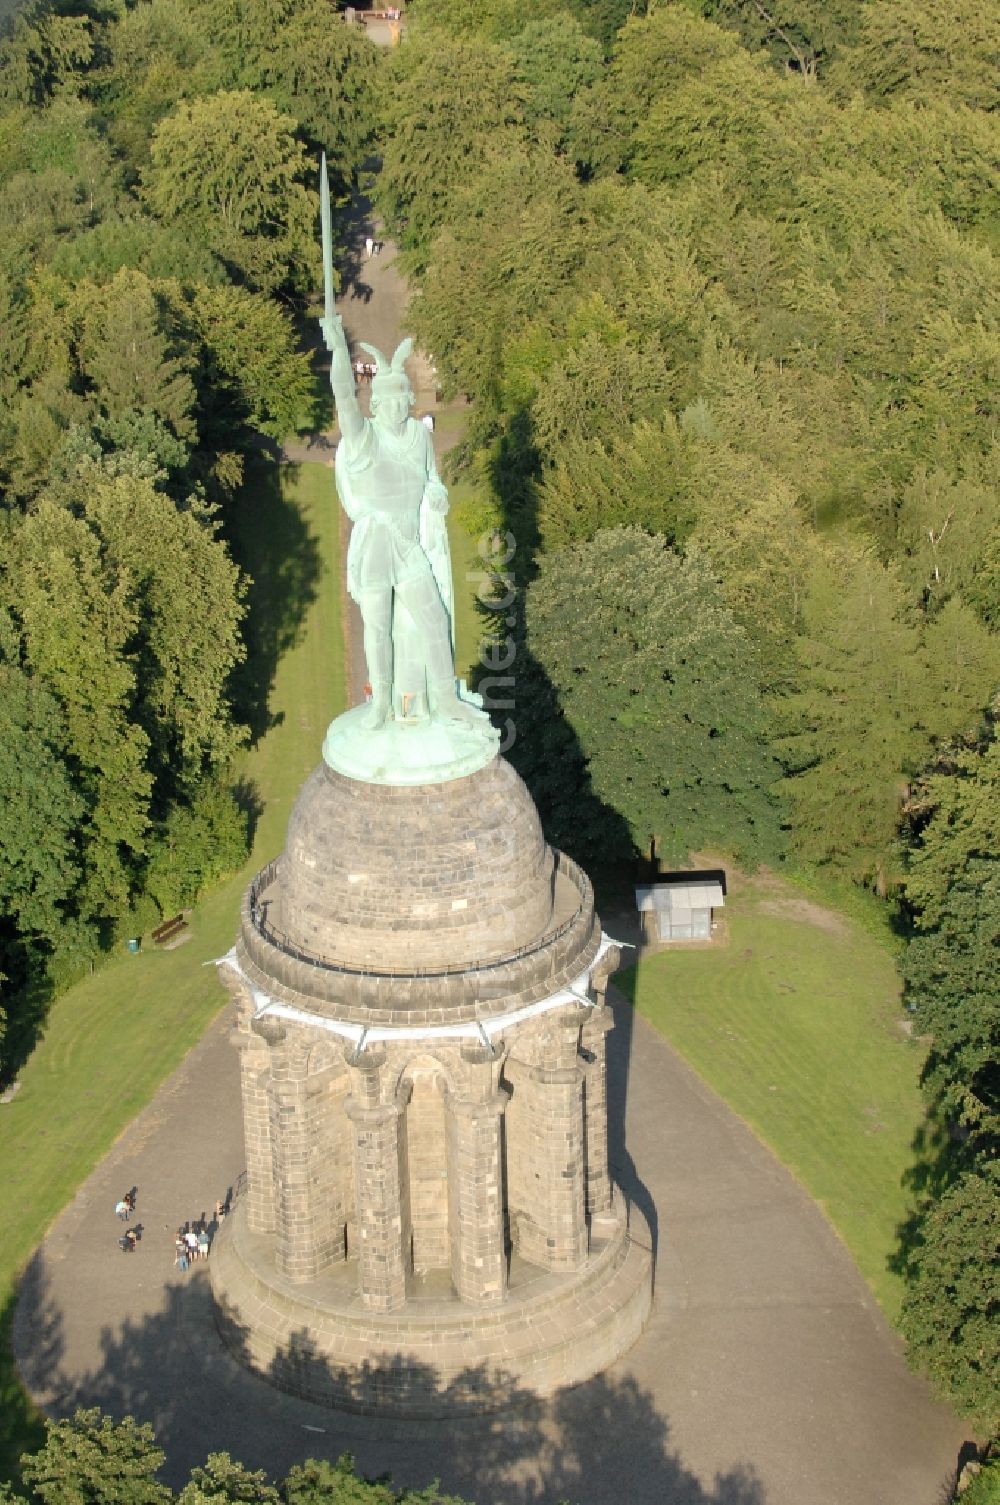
x: 681, y: 906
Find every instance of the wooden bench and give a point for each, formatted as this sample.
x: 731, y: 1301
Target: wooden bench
x: 169, y: 930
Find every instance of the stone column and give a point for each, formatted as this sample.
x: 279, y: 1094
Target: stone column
x: 475, y: 1185
x: 255, y: 1075
x: 301, y: 1218
x: 382, y: 1211
x: 595, y: 1117
x: 554, y: 1234
x: 593, y: 1040
x: 249, y: 1036
x: 255, y: 1072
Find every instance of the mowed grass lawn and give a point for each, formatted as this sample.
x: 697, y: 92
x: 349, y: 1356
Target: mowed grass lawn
x: 795, y: 1021
x: 112, y: 1039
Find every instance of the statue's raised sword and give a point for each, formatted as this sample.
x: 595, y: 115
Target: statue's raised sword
x: 330, y: 322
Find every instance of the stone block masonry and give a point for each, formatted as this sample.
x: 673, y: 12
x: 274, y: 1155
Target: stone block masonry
x: 429, y: 1219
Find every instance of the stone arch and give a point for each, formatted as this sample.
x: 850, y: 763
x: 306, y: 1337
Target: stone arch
x: 325, y: 1056
x: 426, y: 1059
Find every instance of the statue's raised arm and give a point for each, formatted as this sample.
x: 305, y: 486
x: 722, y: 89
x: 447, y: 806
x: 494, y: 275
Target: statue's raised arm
x: 345, y: 396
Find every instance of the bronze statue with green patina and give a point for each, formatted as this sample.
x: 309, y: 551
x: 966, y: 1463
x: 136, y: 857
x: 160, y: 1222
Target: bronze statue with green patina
x: 398, y: 563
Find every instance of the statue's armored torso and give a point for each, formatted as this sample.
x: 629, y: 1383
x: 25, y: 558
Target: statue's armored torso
x: 381, y: 481
x: 385, y: 475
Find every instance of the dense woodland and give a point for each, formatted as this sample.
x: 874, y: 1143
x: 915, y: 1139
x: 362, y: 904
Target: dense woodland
x: 721, y: 283
x: 157, y: 217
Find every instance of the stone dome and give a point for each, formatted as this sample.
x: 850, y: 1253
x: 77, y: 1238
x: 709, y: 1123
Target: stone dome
x: 439, y: 876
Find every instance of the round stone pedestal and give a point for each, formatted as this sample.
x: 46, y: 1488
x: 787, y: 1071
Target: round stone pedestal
x: 438, y: 1358
x: 406, y: 753
x: 429, y: 1224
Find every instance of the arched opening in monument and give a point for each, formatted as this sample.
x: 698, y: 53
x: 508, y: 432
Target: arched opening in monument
x: 331, y: 1161
x: 513, y: 1163
x: 427, y: 1162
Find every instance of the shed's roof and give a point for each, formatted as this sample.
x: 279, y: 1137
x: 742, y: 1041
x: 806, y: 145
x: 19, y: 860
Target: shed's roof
x: 673, y: 894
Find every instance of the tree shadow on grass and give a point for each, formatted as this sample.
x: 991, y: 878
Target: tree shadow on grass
x: 272, y: 544
x: 585, y: 1444
x: 931, y: 1158
x: 27, y: 991
x: 250, y: 804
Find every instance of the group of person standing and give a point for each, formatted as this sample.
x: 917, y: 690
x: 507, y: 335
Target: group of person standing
x: 192, y: 1242
x: 194, y: 1238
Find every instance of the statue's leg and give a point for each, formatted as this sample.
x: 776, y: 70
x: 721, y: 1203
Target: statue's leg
x: 422, y: 600
x: 376, y: 613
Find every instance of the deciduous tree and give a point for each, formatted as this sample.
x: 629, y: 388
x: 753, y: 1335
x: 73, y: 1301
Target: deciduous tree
x: 89, y: 1459
x: 77, y: 619
x: 128, y: 355
x: 229, y: 167
x: 951, y: 1310
x: 446, y: 110
x: 925, y: 53
x: 40, y: 810
x: 252, y: 375
x: 646, y: 668
x: 953, y: 891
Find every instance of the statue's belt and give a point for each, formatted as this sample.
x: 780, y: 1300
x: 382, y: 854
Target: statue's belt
x: 388, y: 520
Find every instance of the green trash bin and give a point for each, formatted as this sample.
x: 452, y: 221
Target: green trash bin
x: 132, y: 945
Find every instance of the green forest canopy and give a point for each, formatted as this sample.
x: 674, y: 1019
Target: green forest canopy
x: 750, y: 307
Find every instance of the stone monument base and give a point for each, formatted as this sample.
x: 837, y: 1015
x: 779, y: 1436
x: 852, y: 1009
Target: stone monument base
x: 438, y: 1357
x: 405, y: 753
